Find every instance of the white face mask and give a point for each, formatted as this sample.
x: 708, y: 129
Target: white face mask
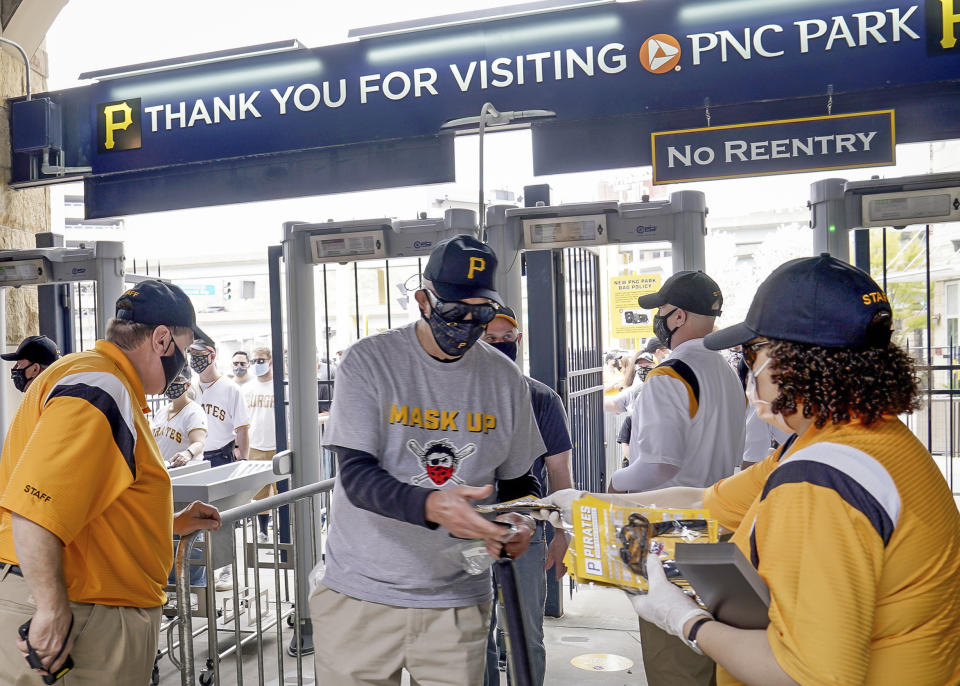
x: 764, y: 407
x: 261, y: 369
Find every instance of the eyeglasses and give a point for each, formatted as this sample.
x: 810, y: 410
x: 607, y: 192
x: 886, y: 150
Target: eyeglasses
x: 454, y: 310
x: 509, y: 337
x: 750, y: 351
x: 259, y: 360
x: 241, y: 364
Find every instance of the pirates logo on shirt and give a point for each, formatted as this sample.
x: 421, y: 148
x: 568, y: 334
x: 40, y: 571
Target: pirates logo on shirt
x: 440, y: 460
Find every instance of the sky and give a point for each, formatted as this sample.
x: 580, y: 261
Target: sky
x: 137, y: 32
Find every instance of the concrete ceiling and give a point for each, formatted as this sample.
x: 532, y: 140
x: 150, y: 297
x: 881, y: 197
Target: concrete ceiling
x: 26, y: 21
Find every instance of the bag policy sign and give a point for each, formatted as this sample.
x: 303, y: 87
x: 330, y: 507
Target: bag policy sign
x: 627, y: 318
x: 841, y: 141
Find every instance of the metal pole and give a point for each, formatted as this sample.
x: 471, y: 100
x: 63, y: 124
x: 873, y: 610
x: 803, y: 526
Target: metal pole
x: 829, y: 218
x: 304, y: 423
x: 884, y: 259
x: 689, y: 246
x: 861, y: 249
x: 487, y: 108
x: 26, y: 63
x: 110, y: 265
x: 274, y: 255
x: 185, y: 610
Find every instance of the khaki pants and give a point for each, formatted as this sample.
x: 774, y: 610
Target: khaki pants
x: 271, y: 489
x: 360, y: 643
x: 112, y: 645
x: 668, y: 661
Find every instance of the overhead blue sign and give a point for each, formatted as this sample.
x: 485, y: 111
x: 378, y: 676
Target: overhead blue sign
x: 843, y: 141
x: 584, y: 64
x: 614, y: 59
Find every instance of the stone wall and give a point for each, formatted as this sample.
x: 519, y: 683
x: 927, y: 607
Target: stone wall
x: 22, y: 212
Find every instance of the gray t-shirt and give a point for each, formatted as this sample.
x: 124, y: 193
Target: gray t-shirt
x: 434, y: 425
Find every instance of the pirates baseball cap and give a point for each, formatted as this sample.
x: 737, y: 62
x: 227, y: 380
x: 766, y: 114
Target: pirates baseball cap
x: 508, y: 314
x: 645, y: 356
x: 653, y: 345
x: 202, y: 346
x: 39, y: 349
x: 691, y: 291
x: 814, y: 300
x: 462, y: 267
x: 155, y: 302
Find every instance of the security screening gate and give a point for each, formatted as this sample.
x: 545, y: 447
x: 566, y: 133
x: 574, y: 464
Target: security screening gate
x: 563, y: 300
x: 839, y: 207
x: 101, y: 262
x: 563, y: 293
x: 304, y: 247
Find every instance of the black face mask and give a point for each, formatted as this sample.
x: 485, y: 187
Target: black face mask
x: 199, y: 362
x: 660, y: 329
x: 508, y: 348
x: 454, y: 337
x: 239, y: 371
x: 175, y: 390
x: 172, y: 365
x: 642, y: 372
x: 20, y: 379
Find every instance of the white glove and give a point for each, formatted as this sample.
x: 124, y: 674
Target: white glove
x: 665, y: 604
x: 562, y: 499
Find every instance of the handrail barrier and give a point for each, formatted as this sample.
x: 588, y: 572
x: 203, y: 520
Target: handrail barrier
x: 250, y: 596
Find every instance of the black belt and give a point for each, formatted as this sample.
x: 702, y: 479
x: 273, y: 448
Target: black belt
x: 224, y: 451
x: 15, y: 570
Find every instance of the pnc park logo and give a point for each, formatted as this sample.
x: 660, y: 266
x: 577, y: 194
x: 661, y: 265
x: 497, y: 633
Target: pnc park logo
x: 118, y: 125
x: 660, y: 54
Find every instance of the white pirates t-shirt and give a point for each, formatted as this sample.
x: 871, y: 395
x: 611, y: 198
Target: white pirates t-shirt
x: 433, y: 425
x: 258, y: 397
x: 226, y: 412
x: 172, y: 429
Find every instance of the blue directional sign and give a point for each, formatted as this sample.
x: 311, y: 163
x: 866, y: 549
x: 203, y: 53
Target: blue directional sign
x: 841, y: 141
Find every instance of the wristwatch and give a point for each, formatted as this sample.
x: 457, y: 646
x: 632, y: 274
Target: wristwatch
x: 691, y: 639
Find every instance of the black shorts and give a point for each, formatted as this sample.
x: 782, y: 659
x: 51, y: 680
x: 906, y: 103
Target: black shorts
x: 624, y: 434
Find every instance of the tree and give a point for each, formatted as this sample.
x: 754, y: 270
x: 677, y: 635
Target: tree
x: 906, y: 291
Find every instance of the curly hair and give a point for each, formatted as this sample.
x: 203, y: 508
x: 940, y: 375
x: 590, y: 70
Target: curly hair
x: 837, y: 384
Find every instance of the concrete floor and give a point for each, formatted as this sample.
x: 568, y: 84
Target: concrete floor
x: 595, y: 621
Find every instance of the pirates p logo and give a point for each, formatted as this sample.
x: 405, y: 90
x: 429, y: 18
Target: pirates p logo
x: 477, y: 264
x: 118, y: 125
x: 943, y: 26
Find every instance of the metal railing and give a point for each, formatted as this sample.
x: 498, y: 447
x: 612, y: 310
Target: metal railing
x: 308, y: 505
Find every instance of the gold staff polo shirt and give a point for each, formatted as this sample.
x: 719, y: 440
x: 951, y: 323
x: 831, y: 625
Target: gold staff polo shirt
x: 80, y: 461
x: 857, y: 535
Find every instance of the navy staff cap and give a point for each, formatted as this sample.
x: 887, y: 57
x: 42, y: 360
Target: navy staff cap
x: 817, y: 301
x: 158, y: 303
